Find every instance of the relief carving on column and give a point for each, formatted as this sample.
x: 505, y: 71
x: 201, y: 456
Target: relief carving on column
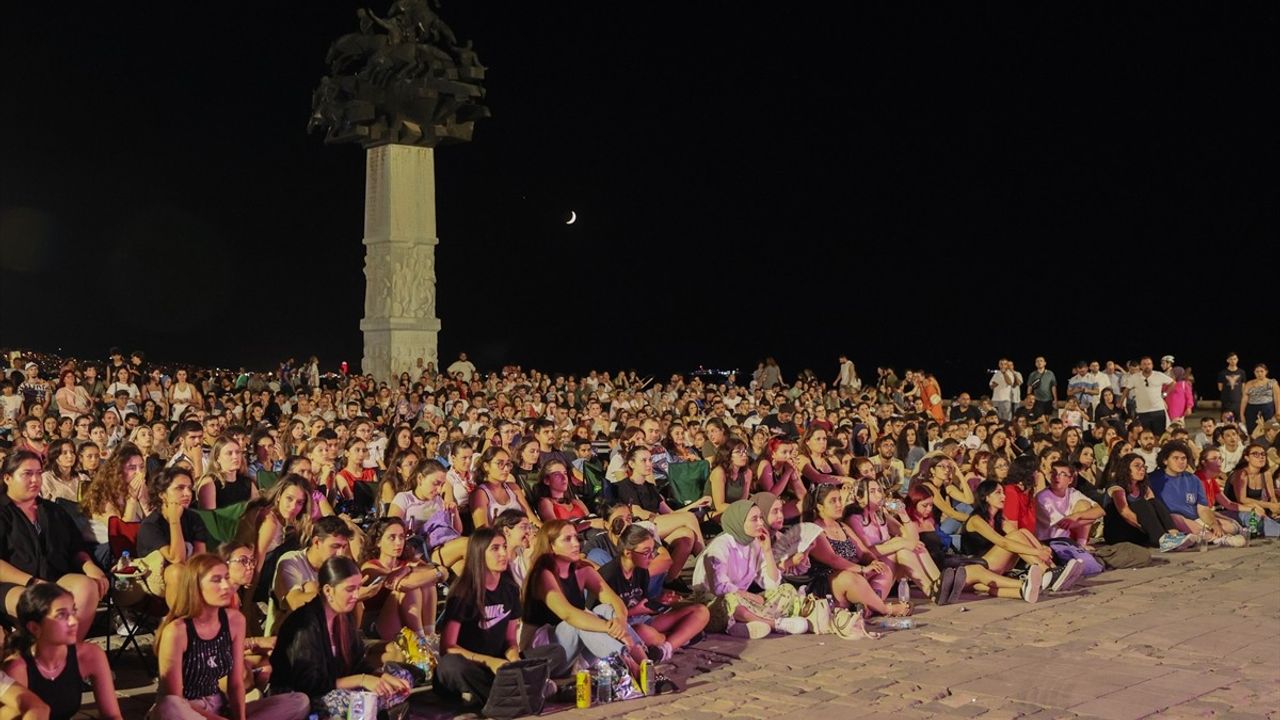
x: 378, y: 285
x: 413, y: 290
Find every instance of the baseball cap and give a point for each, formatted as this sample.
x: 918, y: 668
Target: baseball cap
x: 30, y: 365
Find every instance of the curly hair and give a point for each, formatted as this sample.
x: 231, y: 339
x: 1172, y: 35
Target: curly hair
x: 109, y: 487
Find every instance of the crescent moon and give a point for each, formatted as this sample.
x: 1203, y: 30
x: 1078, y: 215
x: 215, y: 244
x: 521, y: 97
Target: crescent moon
x: 573, y: 218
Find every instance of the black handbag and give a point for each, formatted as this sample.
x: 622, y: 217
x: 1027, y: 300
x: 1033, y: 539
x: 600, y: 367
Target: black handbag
x: 518, y: 689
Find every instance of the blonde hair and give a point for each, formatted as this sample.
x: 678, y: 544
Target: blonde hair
x: 188, y: 600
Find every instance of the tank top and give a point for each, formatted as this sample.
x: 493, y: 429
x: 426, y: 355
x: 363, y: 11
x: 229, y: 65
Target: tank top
x: 181, y: 398
x: 495, y: 508
x: 233, y: 492
x: 845, y: 548
x: 206, y: 661
x: 61, y: 694
x: 540, y: 614
x: 973, y: 542
x: 1261, y: 394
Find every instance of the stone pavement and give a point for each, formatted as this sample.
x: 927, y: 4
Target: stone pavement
x: 1195, y: 636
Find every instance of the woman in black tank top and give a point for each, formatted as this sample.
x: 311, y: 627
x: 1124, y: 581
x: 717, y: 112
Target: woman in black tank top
x: 201, y: 642
x: 46, y: 659
x: 222, y: 484
x: 980, y: 538
x: 555, y: 602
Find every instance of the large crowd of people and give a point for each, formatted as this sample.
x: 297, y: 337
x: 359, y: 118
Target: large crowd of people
x: 569, y: 519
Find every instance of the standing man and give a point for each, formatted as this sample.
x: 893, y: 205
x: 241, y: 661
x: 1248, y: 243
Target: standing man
x: 1005, y: 381
x: 1084, y: 389
x: 1043, y: 386
x: 35, y: 391
x: 1148, y: 387
x: 847, y: 380
x: 463, y: 366
x: 1231, y: 383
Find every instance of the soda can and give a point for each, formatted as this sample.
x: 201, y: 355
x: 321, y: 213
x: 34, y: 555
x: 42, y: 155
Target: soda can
x: 648, y: 676
x: 583, y: 687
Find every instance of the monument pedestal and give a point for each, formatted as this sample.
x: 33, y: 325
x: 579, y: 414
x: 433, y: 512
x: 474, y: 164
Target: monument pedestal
x: 400, y: 323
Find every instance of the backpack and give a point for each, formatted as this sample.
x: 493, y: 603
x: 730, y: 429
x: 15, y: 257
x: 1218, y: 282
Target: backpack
x: 1065, y: 550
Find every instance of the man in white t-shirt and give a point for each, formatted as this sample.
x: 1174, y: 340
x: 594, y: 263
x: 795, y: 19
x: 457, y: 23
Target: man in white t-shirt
x: 1148, y: 387
x: 847, y: 380
x: 463, y: 366
x: 1062, y: 511
x: 1004, y: 382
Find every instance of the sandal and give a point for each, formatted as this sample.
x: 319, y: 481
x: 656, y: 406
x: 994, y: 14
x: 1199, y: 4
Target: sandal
x: 945, y: 587
x: 959, y: 580
x: 897, y: 609
x: 663, y: 685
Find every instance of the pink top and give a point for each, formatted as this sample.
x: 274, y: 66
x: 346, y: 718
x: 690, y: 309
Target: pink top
x: 1179, y: 400
x: 870, y: 531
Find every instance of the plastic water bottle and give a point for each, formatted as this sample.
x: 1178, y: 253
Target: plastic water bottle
x: 904, y: 591
x: 604, y: 681
x: 896, y: 623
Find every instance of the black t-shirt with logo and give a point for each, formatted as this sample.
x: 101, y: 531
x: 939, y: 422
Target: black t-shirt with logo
x: 631, y: 591
x: 487, y: 634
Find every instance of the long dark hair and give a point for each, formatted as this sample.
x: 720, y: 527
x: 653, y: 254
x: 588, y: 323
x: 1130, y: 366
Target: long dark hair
x: 1117, y: 473
x: 1022, y: 472
x: 982, y: 508
x: 815, y: 498
x: 468, y: 588
x: 33, y: 606
x: 380, y: 528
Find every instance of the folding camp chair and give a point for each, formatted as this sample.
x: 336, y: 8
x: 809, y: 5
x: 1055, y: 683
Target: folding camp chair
x: 221, y: 523
x: 688, y: 481
x: 123, y: 537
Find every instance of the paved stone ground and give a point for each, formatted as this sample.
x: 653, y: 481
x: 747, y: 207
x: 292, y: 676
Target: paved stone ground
x: 1196, y: 636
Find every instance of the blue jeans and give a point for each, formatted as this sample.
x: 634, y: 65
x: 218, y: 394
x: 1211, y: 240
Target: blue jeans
x: 951, y: 526
x: 590, y: 645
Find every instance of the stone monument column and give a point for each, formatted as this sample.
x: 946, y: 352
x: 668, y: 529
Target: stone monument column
x: 400, y: 323
x: 399, y: 86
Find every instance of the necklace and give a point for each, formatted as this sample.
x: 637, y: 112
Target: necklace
x: 51, y: 673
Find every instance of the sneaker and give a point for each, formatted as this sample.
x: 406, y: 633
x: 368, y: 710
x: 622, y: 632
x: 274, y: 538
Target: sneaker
x: 659, y: 653
x: 1235, y: 541
x: 1174, y: 541
x: 1051, y: 576
x: 125, y: 628
x: 753, y: 630
x: 1031, y: 583
x: 1071, y: 574
x: 791, y: 626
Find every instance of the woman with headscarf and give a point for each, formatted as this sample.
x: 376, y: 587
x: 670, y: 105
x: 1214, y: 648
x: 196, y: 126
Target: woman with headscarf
x: 738, y: 560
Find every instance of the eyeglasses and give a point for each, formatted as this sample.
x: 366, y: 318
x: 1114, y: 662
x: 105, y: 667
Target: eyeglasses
x: 505, y: 464
x: 243, y: 560
x: 1256, y: 453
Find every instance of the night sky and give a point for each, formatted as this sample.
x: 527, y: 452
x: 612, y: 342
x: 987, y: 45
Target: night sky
x: 933, y: 186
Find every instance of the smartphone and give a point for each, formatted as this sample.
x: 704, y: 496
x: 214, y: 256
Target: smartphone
x: 374, y: 580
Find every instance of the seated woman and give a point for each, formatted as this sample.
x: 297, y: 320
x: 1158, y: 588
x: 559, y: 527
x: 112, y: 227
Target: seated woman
x: 1254, y: 488
x: 630, y: 439
x: 603, y: 548
x: 526, y: 470
x: 172, y: 533
x: 118, y: 489
x: 518, y: 532
x: 776, y: 474
x: 951, y: 502
x: 1001, y: 550
x: 241, y: 573
x: 679, y: 531
x: 1136, y: 514
x: 62, y: 480
x: 803, y: 548
x: 554, y: 498
x: 812, y: 460
x: 407, y: 598
x: 555, y: 603
x: 734, y: 562
x: 319, y: 654
x: 55, y: 553
x: 663, y: 626
x: 967, y: 571
x: 401, y: 475
x: 429, y: 511
x: 1020, y: 488
x: 837, y: 546
x: 201, y: 642
x: 892, y: 538
x: 480, y: 624
x: 45, y: 657
x: 497, y: 490
x: 730, y: 479
x: 19, y: 703
x: 223, y: 483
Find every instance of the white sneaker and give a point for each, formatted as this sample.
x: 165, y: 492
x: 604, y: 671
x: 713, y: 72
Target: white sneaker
x: 791, y: 626
x: 1235, y: 541
x: 753, y: 630
x: 1031, y: 583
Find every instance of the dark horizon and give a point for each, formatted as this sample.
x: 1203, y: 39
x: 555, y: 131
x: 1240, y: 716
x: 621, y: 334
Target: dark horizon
x: 914, y: 189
